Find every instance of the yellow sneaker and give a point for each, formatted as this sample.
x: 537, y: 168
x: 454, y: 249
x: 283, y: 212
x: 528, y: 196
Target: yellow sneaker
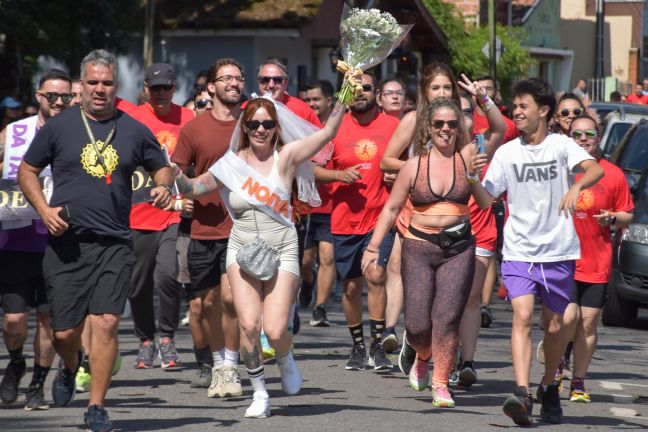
x: 82, y: 381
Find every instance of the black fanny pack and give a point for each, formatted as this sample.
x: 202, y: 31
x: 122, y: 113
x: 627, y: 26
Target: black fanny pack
x: 447, y: 237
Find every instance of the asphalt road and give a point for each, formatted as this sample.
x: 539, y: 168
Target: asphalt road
x: 333, y: 399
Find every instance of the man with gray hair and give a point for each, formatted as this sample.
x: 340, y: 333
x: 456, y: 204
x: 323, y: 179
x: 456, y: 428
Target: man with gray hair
x: 93, y: 151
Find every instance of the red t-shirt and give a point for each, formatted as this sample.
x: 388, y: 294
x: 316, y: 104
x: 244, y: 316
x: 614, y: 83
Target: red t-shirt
x: 356, y: 206
x: 633, y: 98
x: 610, y: 193
x: 324, y: 191
x: 483, y: 224
x: 124, y: 105
x: 202, y: 142
x: 167, y: 130
x: 480, y: 126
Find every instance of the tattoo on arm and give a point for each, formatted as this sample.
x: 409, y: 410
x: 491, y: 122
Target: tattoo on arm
x: 337, y: 109
x: 202, y: 185
x: 251, y: 360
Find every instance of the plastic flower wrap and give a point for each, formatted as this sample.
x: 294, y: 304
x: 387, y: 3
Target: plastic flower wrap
x: 367, y: 36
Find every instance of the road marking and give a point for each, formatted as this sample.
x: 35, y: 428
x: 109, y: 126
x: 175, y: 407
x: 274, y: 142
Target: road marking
x: 622, y: 399
x: 609, y: 385
x: 626, y: 413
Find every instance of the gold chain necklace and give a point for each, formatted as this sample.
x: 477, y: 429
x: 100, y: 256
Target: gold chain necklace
x: 94, y: 143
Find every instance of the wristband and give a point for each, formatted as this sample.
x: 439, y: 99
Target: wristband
x: 178, y: 205
x: 486, y: 104
x: 167, y: 187
x: 472, y: 178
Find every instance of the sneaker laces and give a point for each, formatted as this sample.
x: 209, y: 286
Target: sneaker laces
x: 230, y: 376
x: 168, y: 346
x: 216, y: 378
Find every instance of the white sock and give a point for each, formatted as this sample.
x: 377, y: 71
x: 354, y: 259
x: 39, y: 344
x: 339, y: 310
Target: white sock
x: 219, y: 357
x: 284, y: 358
x: 257, y: 379
x: 231, y: 358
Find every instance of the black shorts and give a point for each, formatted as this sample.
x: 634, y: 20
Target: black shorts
x: 318, y: 230
x: 206, y: 261
x: 22, y: 287
x: 86, y: 275
x: 349, y: 249
x: 591, y: 295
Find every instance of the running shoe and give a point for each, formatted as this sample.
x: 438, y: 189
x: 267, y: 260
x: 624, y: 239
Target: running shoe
x: 268, y: 351
x: 291, y: 380
x: 64, y: 385
x: 11, y: 380
x: 577, y: 392
x: 441, y: 396
x: 260, y: 407
x: 96, y: 419
x: 551, y: 412
x: 377, y: 357
x: 357, y: 358
x: 558, y: 376
x: 231, y: 381
x: 145, y: 355
x: 203, y: 377
x: 389, y: 340
x: 82, y: 380
x: 467, y: 375
x: 35, y: 398
x: 407, y: 356
x: 419, y: 376
x: 454, y: 378
x: 216, y: 386
x: 486, y: 316
x: 169, y: 359
x: 319, y: 317
x: 519, y: 407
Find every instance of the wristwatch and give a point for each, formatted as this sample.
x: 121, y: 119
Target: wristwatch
x: 612, y: 220
x: 167, y: 187
x: 473, y: 178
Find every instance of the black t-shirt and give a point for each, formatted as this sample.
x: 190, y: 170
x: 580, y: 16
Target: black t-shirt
x: 79, y: 179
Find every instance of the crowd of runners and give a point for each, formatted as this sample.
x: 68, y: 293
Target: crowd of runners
x: 259, y: 205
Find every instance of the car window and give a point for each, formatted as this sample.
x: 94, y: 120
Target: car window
x: 617, y: 131
x: 635, y: 152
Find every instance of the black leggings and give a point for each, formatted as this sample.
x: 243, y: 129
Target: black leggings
x: 436, y: 285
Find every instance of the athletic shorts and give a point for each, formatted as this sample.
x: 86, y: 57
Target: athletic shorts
x: 482, y: 252
x: 22, y: 287
x: 349, y: 249
x: 182, y: 245
x: 552, y: 282
x: 588, y: 294
x: 206, y: 261
x: 86, y: 275
x: 318, y: 229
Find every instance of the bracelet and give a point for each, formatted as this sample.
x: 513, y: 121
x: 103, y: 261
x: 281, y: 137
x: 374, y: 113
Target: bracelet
x: 486, y: 104
x: 370, y: 251
x: 167, y: 187
x: 612, y: 220
x: 472, y: 178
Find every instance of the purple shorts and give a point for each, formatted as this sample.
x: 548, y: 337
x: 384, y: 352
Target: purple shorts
x: 552, y: 282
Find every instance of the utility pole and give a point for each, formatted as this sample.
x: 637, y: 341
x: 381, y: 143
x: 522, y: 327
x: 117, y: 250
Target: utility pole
x: 492, y: 37
x: 149, y: 26
x: 600, y: 29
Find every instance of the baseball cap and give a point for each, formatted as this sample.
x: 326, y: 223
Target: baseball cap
x: 9, y: 102
x: 159, y: 74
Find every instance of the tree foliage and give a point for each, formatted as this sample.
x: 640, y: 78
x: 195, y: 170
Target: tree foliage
x: 467, y: 40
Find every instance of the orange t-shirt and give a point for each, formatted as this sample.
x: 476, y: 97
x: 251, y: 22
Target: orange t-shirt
x: 356, y: 206
x: 167, y: 130
x: 124, y: 105
x: 611, y: 192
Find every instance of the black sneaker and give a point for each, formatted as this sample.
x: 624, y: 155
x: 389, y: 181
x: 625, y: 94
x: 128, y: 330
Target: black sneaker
x: 64, y: 385
x: 519, y: 407
x: 406, y: 357
x: 35, y: 398
x: 551, y: 412
x: 305, y: 295
x: 96, y: 419
x: 296, y: 323
x: 357, y: 358
x: 486, y: 316
x: 389, y: 340
x: 204, y: 376
x: 377, y: 357
x: 11, y: 380
x: 319, y: 317
x: 467, y: 375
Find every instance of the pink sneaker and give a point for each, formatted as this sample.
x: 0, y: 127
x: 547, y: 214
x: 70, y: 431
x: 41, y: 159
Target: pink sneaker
x: 441, y: 396
x: 419, y: 376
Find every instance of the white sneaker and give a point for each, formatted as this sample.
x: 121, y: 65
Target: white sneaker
x: 231, y: 382
x: 216, y: 386
x: 291, y: 379
x: 260, y: 407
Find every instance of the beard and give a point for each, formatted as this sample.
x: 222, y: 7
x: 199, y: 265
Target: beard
x: 227, y: 99
x: 364, y: 106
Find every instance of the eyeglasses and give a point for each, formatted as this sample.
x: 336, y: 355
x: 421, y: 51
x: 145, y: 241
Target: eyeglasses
x: 468, y: 111
x: 267, y: 79
x: 392, y: 92
x: 438, y: 124
x: 53, y: 97
x: 202, y: 103
x: 157, y: 88
x: 589, y: 133
x: 367, y: 87
x: 566, y: 111
x: 254, y: 124
x: 230, y: 78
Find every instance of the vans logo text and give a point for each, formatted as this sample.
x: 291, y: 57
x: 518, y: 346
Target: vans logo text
x: 536, y: 172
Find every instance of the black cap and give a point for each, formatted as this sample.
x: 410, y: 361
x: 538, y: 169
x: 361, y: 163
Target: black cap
x: 159, y: 74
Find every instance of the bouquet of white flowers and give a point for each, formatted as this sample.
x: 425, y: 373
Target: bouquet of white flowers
x: 367, y: 38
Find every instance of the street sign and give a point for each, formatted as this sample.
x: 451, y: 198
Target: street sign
x: 499, y: 49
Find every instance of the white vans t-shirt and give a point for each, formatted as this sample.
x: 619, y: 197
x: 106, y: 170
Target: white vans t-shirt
x: 536, y: 178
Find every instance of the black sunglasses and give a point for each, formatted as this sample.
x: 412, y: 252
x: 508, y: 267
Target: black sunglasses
x: 267, y: 79
x: 53, y: 96
x: 438, y: 124
x: 566, y: 111
x: 254, y: 124
x: 367, y: 87
x: 202, y: 103
x: 161, y: 87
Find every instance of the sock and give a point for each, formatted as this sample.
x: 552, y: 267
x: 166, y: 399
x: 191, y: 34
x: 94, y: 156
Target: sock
x: 284, y: 358
x: 219, y: 357
x: 376, y: 327
x: 203, y: 355
x: 39, y: 376
x: 16, y: 355
x: 578, y: 383
x: 257, y: 379
x: 231, y: 358
x: 356, y: 334
x: 467, y: 363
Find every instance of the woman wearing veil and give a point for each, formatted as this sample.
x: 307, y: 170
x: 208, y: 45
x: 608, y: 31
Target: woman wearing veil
x: 270, y: 147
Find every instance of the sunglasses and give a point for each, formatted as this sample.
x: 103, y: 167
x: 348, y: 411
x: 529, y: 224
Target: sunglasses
x: 438, y: 124
x: 589, y: 133
x: 367, y: 87
x: 202, y: 103
x: 566, y: 111
x: 254, y: 124
x: 53, y: 97
x: 267, y: 79
x: 157, y: 88
x: 392, y: 92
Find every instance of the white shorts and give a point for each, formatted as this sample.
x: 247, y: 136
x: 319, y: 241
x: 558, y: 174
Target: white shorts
x: 479, y: 251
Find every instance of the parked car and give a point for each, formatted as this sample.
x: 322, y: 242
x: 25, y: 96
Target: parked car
x: 631, y: 155
x: 627, y: 290
x: 605, y: 108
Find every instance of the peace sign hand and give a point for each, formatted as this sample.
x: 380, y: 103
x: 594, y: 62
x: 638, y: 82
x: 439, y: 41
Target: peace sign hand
x: 474, y: 88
